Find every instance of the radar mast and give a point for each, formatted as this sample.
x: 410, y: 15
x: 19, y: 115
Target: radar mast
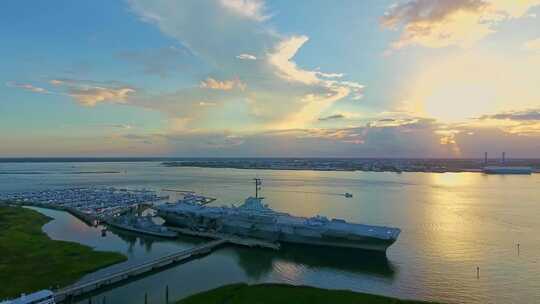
x: 258, y: 183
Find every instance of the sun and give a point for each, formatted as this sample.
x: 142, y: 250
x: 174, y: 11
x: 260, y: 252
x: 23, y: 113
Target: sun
x: 464, y: 87
x: 458, y: 100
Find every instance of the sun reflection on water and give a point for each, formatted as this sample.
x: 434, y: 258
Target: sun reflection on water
x: 452, y: 231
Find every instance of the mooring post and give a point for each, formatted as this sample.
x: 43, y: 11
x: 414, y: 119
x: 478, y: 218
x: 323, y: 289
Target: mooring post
x: 477, y: 272
x: 518, y: 248
x: 104, y: 300
x: 166, y: 294
x: 90, y: 300
x: 145, y: 298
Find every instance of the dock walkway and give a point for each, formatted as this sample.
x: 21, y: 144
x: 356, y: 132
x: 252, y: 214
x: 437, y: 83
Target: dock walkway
x: 79, y: 289
x: 249, y: 242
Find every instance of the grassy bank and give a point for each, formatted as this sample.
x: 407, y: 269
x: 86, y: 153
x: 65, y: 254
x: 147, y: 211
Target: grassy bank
x: 279, y: 294
x: 30, y: 260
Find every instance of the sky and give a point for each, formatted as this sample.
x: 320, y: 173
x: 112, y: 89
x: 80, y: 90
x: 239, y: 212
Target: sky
x: 255, y: 78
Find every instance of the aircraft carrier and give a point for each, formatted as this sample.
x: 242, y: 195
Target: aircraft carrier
x: 254, y: 219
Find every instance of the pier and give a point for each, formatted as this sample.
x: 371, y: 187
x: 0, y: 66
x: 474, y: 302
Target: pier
x: 218, y: 239
x: 231, y: 239
x: 184, y: 255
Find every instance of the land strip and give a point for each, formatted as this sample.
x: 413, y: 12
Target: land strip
x: 31, y: 261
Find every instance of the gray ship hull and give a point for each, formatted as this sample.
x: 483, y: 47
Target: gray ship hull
x: 165, y: 234
x: 269, y: 232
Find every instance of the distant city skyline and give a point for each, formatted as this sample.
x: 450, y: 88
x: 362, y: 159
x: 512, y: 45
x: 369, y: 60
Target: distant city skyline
x: 254, y: 78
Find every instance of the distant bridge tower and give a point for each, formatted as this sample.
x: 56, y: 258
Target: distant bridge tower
x: 503, y: 158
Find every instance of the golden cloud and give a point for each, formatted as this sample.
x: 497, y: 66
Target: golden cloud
x: 441, y: 23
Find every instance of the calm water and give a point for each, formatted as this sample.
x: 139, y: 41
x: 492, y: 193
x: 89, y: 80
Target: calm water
x: 451, y: 224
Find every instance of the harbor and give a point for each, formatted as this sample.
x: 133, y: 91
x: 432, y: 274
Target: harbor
x: 122, y: 209
x: 269, y: 152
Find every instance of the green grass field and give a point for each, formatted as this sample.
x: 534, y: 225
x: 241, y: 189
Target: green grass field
x: 30, y: 260
x: 281, y: 294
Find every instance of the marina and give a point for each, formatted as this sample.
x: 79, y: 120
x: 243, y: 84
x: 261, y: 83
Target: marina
x: 92, y: 204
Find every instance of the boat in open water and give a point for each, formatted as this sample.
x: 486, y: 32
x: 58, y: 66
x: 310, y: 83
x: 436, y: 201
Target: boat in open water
x: 254, y: 219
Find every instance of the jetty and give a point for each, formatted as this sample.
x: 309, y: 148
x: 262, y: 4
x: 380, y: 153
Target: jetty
x: 72, y: 291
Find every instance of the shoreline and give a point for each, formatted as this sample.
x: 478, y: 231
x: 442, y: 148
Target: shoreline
x: 27, y: 247
x: 480, y: 171
x: 87, y: 219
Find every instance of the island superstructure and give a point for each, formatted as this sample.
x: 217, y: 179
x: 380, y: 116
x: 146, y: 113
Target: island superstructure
x: 254, y: 219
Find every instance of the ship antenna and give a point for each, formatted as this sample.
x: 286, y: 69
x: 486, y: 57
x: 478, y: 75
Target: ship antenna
x: 258, y: 183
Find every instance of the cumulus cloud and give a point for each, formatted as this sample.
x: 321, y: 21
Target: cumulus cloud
x: 400, y: 122
x: 90, y: 93
x: 86, y: 93
x: 332, y: 117
x: 91, y: 96
x: 532, y: 45
x: 207, y: 104
x: 329, y: 75
x: 526, y: 122
x: 226, y: 85
x: 114, y: 126
x: 287, y: 69
x: 246, y: 57
x: 533, y: 114
x: 121, y: 126
x: 413, y: 138
x: 441, y: 23
x: 251, y: 9
x: 27, y: 87
x: 56, y: 82
x: 278, y: 93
